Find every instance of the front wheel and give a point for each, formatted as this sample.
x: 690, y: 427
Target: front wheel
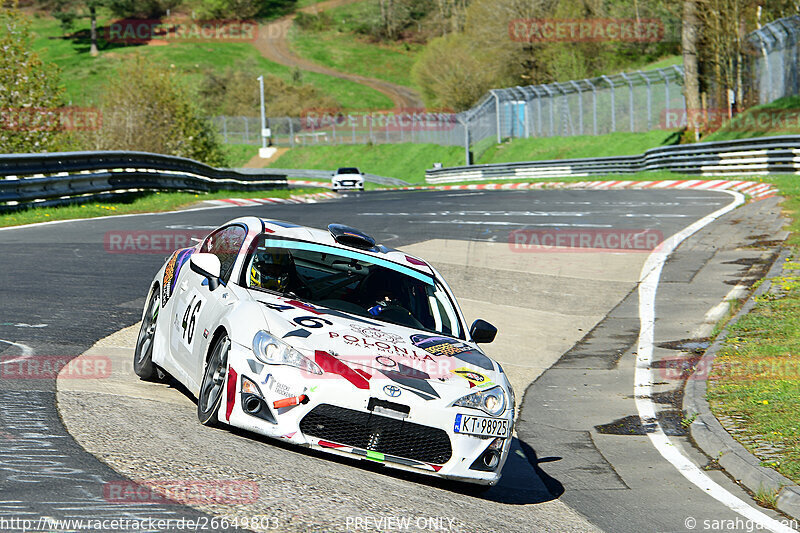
x: 213, y: 383
x: 143, y: 354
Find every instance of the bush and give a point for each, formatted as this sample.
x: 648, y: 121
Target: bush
x: 146, y: 108
x: 235, y: 93
x: 227, y: 9
x: 452, y: 75
x: 30, y: 94
x: 313, y: 22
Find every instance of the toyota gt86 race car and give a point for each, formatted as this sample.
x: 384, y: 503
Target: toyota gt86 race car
x: 327, y: 340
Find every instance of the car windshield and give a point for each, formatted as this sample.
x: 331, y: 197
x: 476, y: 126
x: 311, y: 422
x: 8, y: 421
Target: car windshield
x: 351, y: 282
x: 348, y: 170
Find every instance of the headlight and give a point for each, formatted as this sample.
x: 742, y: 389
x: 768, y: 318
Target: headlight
x: 273, y: 351
x: 491, y: 401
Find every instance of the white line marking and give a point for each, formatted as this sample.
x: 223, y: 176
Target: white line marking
x: 643, y: 376
x: 27, y: 352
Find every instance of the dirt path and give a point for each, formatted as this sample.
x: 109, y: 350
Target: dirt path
x: 272, y: 43
x: 257, y: 162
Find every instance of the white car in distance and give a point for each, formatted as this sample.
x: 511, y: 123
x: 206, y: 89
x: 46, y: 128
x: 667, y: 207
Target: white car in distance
x: 348, y: 178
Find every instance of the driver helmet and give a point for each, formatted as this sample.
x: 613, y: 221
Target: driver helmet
x: 270, y: 269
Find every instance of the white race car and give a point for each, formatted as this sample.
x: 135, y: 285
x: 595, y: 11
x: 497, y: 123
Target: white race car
x: 347, y: 178
x: 327, y: 340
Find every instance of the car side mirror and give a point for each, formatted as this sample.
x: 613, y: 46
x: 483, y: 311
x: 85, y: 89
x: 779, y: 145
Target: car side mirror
x: 208, y: 266
x: 482, y: 332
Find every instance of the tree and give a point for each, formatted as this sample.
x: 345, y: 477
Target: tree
x: 68, y: 10
x: 453, y: 74
x: 689, y: 41
x: 145, y: 107
x: 30, y: 95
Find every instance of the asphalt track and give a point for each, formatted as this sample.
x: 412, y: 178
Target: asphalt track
x: 62, y: 291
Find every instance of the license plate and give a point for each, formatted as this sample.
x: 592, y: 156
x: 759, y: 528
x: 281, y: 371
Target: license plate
x: 481, y: 425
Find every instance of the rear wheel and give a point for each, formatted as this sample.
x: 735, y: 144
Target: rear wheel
x: 143, y: 354
x: 213, y: 382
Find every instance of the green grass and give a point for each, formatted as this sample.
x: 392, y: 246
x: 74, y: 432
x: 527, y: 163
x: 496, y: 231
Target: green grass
x: 664, y: 62
x: 781, y: 117
x: 404, y: 161
x: 83, y: 76
x: 147, y: 203
x: 756, y: 374
x: 409, y: 161
x: 342, y: 49
x: 239, y: 154
x: 536, y: 149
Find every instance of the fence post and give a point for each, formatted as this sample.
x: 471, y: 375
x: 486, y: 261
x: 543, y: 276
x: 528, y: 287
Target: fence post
x: 594, y: 104
x: 497, y: 114
x: 649, y: 100
x: 666, y: 90
x: 466, y: 138
x: 225, y: 127
x: 350, y: 118
x: 291, y: 132
x: 550, y: 100
x: 246, y: 130
x: 613, y: 109
x: 539, y: 111
x: 580, y: 105
x: 630, y: 100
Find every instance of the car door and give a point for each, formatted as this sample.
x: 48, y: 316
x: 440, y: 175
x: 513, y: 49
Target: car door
x: 197, y: 309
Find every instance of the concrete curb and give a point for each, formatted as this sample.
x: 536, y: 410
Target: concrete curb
x: 755, y: 189
x: 709, y: 435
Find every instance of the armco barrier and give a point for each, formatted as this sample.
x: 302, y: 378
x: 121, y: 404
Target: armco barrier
x: 49, y: 179
x: 765, y: 155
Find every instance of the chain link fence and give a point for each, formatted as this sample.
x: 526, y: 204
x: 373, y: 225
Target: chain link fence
x: 636, y: 101
x: 378, y: 127
x: 774, y: 70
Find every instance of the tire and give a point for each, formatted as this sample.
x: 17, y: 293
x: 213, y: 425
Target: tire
x: 213, y: 383
x: 143, y: 354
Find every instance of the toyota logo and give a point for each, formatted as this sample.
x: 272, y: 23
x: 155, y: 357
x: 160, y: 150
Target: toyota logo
x: 392, y: 391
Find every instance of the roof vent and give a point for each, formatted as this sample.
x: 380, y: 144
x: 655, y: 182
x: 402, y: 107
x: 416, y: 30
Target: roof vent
x: 347, y: 236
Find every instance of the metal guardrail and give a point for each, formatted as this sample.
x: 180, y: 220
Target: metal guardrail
x: 69, y: 177
x: 765, y: 155
x: 28, y: 180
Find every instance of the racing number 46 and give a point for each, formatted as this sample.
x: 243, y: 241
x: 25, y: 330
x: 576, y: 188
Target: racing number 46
x: 190, y: 319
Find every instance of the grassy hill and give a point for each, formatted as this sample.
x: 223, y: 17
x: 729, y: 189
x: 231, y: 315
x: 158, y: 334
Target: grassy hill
x: 335, y: 42
x: 84, y: 75
x: 781, y: 117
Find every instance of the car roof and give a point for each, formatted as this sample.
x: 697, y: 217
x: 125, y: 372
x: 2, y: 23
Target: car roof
x: 290, y: 230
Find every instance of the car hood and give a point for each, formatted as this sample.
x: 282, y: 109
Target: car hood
x: 377, y: 349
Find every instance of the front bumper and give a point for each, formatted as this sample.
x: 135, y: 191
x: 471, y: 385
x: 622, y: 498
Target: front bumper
x: 362, y: 423
x: 348, y: 184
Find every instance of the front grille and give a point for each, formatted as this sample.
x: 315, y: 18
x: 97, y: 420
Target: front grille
x: 377, y: 433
